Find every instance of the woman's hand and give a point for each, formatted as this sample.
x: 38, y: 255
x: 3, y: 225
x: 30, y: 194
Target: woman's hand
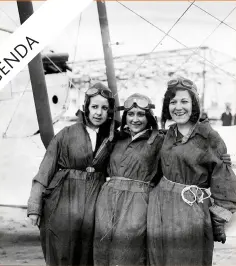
x: 35, y: 219
x: 219, y: 233
x: 218, y: 227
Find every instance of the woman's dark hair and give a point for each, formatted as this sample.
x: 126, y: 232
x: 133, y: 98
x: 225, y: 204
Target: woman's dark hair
x: 152, y: 123
x: 169, y: 95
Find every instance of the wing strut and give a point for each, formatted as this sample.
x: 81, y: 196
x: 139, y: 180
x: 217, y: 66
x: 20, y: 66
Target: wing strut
x: 110, y: 71
x: 25, y: 9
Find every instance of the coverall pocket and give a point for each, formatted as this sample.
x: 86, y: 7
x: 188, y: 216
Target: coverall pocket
x: 52, y: 194
x: 54, y: 184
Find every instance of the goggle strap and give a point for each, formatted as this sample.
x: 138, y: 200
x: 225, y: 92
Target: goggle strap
x: 150, y: 106
x: 120, y: 108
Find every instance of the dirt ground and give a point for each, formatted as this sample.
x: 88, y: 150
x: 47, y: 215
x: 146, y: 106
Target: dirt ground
x: 19, y: 242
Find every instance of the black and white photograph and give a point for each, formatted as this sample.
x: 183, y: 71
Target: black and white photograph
x: 118, y: 140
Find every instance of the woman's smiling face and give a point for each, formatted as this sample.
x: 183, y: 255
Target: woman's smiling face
x: 136, y: 120
x: 180, y: 107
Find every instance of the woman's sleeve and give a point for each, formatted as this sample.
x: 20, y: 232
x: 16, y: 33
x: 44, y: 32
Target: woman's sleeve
x: 47, y: 169
x: 223, y: 180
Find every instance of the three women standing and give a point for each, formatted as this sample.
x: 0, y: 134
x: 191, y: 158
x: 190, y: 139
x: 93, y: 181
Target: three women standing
x: 65, y: 190
x: 197, y: 195
x: 179, y: 225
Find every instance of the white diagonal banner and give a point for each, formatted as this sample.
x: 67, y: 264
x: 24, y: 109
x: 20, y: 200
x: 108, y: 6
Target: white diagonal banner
x: 39, y: 30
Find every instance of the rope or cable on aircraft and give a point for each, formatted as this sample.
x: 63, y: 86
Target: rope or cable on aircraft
x: 77, y: 36
x: 149, y: 22
x: 167, y: 34
x: 6, y: 30
x: 14, y: 206
x: 5, y: 132
x: 213, y: 16
x: 200, y: 46
x: 9, y: 16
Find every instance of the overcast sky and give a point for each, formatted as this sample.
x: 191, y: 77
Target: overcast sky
x: 135, y: 34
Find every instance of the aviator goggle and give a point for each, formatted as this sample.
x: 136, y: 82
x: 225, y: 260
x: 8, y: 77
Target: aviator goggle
x: 95, y: 91
x: 133, y: 102
x: 186, y: 83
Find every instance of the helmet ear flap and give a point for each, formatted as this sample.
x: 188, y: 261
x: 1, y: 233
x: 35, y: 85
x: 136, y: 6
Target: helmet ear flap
x: 86, y: 105
x: 123, y: 120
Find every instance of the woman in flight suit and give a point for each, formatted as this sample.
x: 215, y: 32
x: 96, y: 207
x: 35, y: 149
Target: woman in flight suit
x: 65, y: 190
x: 188, y: 209
x: 121, y: 209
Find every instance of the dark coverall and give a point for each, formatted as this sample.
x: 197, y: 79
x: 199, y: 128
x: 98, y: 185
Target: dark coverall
x: 121, y: 209
x: 64, y: 194
x: 180, y: 234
